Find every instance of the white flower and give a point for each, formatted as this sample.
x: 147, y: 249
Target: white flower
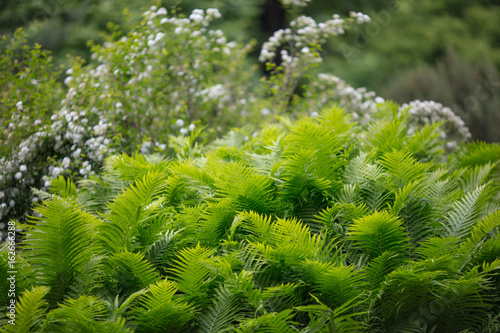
x: 196, y: 17
x: 65, y: 162
x: 23, y: 168
x: 265, y: 111
x: 379, y: 100
x: 56, y: 171
x: 214, y: 12
x: 184, y: 131
x: 118, y: 105
x: 12, y: 203
x: 19, y: 175
x: 179, y: 122
x: 68, y: 80
x: 2, y: 194
x: 161, y: 11
x: 191, y: 127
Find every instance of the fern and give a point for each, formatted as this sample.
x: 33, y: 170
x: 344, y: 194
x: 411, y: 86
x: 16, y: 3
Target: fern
x: 130, y: 210
x: 190, y: 272
x: 403, y: 168
x: 377, y: 233
x: 248, y: 189
x: 63, y: 188
x: 60, y: 244
x: 130, y: 168
x: 86, y: 313
x: 30, y: 311
x: 158, y: 310
x: 222, y: 313
x: 269, y: 323
x: 128, y: 272
x: 158, y: 249
x: 465, y: 213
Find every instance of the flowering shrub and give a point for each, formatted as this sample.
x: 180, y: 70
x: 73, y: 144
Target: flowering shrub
x: 170, y: 76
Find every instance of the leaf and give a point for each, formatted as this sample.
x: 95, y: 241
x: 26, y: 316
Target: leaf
x: 189, y: 270
x: 220, y: 315
x: 63, y: 188
x: 377, y: 233
x: 30, y: 311
x: 464, y: 213
x: 60, y: 244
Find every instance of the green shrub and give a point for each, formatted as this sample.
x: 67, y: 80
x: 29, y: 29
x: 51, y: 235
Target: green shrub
x: 321, y: 224
x: 170, y: 75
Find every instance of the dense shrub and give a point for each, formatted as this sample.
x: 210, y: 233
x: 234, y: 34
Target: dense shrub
x: 322, y: 224
x: 170, y: 75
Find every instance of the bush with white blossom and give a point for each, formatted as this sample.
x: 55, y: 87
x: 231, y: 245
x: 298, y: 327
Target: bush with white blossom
x: 170, y: 77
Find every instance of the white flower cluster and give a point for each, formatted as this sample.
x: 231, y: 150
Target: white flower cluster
x: 295, y: 3
x: 426, y: 112
x: 329, y: 90
x: 304, y: 35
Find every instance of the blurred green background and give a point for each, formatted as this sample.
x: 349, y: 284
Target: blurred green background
x: 446, y: 50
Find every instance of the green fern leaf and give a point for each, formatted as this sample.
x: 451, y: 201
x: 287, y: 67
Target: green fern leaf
x: 129, y: 272
x: 222, y: 313
x: 190, y: 270
x: 130, y: 210
x: 63, y: 188
x: 158, y: 310
x: 60, y: 244
x: 403, y: 168
x: 378, y: 233
x: 30, y: 311
x: 464, y: 213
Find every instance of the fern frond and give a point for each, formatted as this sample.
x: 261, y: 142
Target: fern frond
x: 385, y: 135
x: 63, y: 188
x: 224, y: 311
x: 129, y: 272
x: 426, y: 143
x: 478, y: 153
x: 215, y: 221
x: 313, y: 154
x: 269, y: 323
x: 336, y: 119
x: 483, y: 244
x: 464, y: 213
x: 403, y: 168
x: 380, y: 267
x: 412, y: 206
x: 338, y: 285
x: 30, y: 311
x: 158, y: 311
x: 377, y: 233
x: 60, y: 244
x: 130, y: 168
x: 466, y: 301
x: 129, y: 211
x: 248, y: 189
x: 157, y: 250
x: 472, y: 177
x: 190, y: 271
x: 83, y: 314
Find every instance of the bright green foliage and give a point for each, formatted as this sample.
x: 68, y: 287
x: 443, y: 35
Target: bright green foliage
x: 331, y: 228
